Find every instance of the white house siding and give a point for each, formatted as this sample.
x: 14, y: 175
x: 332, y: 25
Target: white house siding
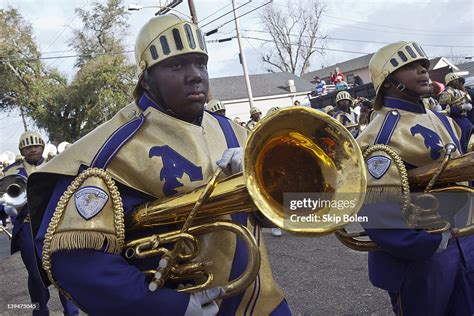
x: 241, y: 108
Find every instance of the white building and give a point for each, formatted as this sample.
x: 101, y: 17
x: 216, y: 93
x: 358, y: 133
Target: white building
x: 271, y: 89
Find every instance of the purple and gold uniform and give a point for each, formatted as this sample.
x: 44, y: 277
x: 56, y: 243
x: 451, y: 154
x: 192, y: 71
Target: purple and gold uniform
x: 457, y: 103
x: 345, y: 114
x: 23, y: 168
x: 418, y: 279
x: 22, y: 240
x: 150, y: 155
x: 349, y: 120
x: 422, y: 274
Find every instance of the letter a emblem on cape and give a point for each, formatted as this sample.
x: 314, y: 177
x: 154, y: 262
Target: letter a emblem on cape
x: 174, y: 167
x: 431, y: 140
x: 378, y: 166
x: 90, y: 201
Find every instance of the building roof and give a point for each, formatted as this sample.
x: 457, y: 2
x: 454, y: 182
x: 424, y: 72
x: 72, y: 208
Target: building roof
x: 362, y: 62
x: 467, y: 67
x: 440, y: 62
x: 345, y: 66
x: 268, y: 84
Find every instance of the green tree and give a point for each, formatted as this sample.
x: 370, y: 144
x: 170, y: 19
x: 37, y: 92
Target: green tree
x: 102, y: 85
x: 104, y: 27
x: 26, y: 84
x: 104, y: 81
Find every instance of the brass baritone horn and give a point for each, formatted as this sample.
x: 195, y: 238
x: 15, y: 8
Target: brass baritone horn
x: 293, y: 150
x: 442, y: 174
x: 445, y: 174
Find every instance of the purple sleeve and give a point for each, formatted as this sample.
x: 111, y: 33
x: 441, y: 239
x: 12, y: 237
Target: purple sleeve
x: 386, y: 230
x: 105, y: 284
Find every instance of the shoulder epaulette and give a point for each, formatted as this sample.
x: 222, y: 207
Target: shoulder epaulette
x: 16, y: 163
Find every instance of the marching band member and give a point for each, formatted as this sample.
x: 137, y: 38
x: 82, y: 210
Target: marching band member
x: 458, y: 104
x: 161, y: 145
x: 345, y: 114
x: 255, y: 117
x: 424, y: 273
x: 367, y: 113
x: 31, y: 148
x: 216, y: 106
x: 273, y: 110
x: 431, y: 100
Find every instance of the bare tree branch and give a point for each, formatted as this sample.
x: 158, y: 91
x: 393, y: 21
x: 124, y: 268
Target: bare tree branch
x: 295, y: 33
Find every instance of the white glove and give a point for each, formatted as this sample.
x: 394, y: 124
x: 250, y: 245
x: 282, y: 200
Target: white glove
x: 10, y: 210
x: 466, y: 106
x: 444, y: 241
x: 438, y: 108
x: 231, y: 161
x: 202, y: 303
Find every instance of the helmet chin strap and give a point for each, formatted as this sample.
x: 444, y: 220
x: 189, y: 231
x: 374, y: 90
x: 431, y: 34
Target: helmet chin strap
x: 403, y: 89
x: 161, y: 104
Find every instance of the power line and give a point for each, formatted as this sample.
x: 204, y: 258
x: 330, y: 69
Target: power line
x: 386, y: 26
x: 363, y: 41
x: 67, y: 56
x: 43, y: 53
x: 248, y: 12
x: 315, y: 47
x: 396, y: 32
x: 396, y: 27
x: 217, y: 12
x: 8, y: 116
x: 66, y: 26
x: 221, y: 16
x: 8, y: 125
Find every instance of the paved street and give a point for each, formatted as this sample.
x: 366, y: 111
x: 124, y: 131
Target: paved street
x: 319, y: 276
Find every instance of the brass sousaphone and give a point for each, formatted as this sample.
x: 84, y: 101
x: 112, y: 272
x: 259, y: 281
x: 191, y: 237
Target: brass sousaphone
x: 293, y: 150
x: 13, y: 194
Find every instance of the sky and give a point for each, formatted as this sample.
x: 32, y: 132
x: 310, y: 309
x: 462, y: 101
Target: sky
x: 353, y: 27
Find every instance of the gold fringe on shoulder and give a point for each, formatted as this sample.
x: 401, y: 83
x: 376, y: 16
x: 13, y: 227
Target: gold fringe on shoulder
x: 85, y: 240
x: 383, y: 194
x: 54, y: 241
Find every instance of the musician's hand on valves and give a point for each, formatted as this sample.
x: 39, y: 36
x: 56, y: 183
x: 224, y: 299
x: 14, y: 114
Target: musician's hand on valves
x: 231, y: 161
x: 466, y: 106
x: 203, y: 303
x: 10, y: 210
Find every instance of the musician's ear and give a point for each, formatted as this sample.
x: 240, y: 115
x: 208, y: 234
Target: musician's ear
x: 144, y: 82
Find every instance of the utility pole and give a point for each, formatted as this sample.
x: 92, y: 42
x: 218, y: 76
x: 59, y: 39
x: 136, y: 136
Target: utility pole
x: 192, y: 10
x: 22, y: 113
x: 242, y: 57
